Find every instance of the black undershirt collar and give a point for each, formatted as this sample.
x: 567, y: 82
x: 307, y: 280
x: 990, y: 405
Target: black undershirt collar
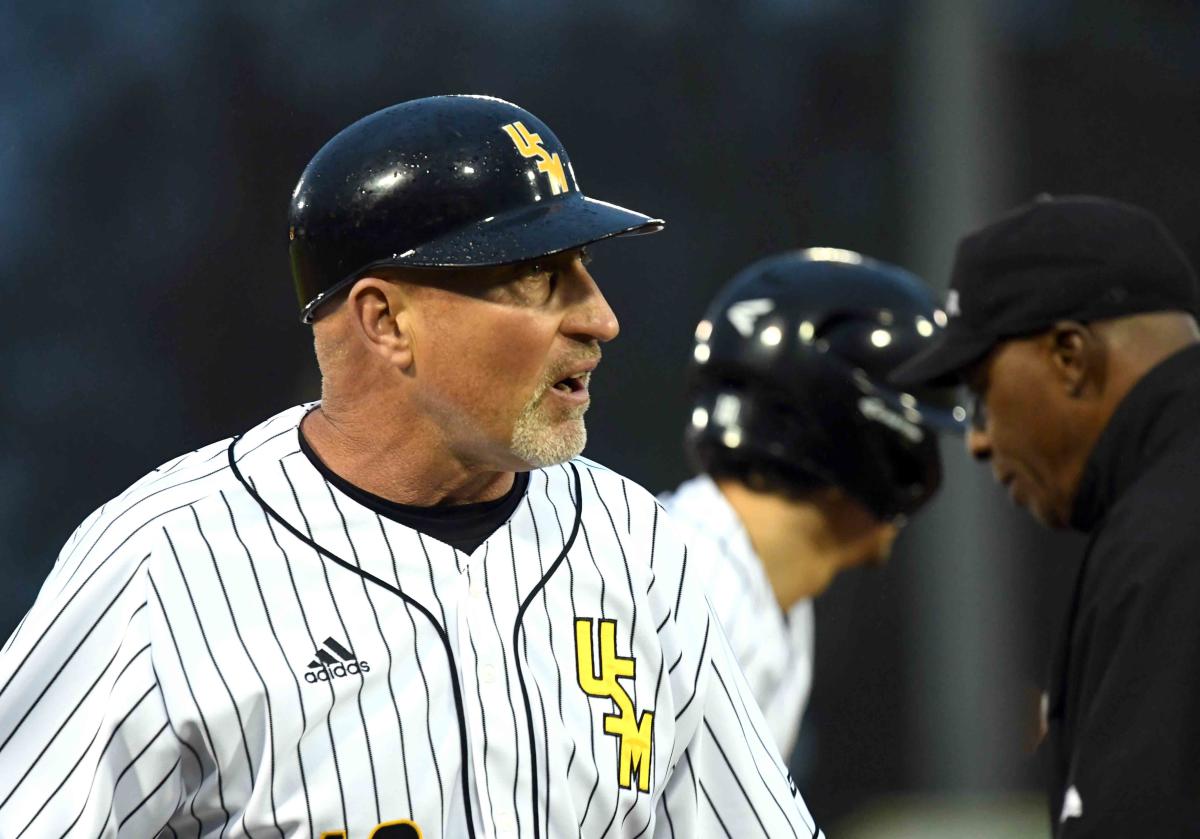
x: 464, y: 526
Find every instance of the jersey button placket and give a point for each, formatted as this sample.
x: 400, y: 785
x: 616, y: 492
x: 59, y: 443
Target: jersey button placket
x: 477, y: 619
x: 476, y: 595
x: 490, y: 674
x: 471, y: 603
x: 506, y: 825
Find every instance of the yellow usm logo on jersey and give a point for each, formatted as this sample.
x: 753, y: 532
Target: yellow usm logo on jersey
x: 530, y: 145
x: 634, y: 734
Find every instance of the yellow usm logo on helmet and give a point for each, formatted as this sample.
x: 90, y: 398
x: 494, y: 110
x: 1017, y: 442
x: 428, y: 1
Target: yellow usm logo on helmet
x: 634, y: 734
x: 530, y: 145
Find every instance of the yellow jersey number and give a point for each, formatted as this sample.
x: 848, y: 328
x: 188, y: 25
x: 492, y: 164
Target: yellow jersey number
x: 401, y: 829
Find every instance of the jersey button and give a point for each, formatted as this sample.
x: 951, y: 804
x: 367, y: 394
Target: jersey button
x: 506, y: 825
x: 487, y: 674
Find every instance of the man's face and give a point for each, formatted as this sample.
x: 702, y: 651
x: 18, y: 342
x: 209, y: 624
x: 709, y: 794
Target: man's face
x: 1025, y: 427
x: 503, y: 358
x: 864, y: 540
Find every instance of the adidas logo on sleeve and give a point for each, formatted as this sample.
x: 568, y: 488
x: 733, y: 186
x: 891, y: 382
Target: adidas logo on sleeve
x: 334, y: 661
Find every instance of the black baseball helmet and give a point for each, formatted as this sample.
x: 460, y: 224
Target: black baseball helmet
x: 788, y: 379
x: 442, y: 182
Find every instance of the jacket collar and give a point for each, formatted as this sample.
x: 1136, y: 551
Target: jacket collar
x: 1163, y: 405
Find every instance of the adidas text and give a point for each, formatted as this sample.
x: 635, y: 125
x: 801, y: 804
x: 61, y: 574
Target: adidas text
x: 325, y: 674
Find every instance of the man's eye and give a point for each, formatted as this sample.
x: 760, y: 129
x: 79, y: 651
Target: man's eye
x: 977, y: 414
x: 537, y: 284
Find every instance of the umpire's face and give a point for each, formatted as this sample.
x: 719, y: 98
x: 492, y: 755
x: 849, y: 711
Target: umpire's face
x: 502, y: 358
x: 1029, y: 423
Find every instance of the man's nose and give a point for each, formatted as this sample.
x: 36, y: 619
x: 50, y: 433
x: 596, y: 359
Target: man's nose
x: 979, y: 444
x: 592, y: 318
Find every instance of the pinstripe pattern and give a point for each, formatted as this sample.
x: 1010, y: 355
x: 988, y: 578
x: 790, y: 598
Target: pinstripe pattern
x: 169, y: 681
x: 776, y: 655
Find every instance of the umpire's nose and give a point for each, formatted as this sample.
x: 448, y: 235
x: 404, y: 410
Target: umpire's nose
x: 979, y: 444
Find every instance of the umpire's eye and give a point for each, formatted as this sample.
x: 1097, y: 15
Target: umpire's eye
x: 977, y: 415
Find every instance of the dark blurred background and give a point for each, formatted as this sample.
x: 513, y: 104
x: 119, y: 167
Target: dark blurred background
x: 147, y: 153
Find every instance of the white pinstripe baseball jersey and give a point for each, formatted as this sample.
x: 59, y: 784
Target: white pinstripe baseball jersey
x: 233, y: 647
x: 775, y: 650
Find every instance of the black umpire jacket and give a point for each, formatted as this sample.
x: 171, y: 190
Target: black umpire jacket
x: 1123, y: 709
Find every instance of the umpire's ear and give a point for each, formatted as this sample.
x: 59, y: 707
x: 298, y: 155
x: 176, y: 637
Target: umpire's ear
x: 379, y: 316
x: 1077, y: 357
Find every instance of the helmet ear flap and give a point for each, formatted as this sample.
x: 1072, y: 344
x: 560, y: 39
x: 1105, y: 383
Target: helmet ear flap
x: 901, y: 475
x: 759, y: 435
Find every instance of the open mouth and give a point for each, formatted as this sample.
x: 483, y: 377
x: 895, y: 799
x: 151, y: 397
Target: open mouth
x: 573, y: 384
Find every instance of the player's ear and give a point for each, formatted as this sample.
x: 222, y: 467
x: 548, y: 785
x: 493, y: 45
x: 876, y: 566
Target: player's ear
x: 380, y: 317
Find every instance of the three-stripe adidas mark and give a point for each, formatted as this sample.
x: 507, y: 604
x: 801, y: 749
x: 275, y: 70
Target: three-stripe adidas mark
x: 332, y: 662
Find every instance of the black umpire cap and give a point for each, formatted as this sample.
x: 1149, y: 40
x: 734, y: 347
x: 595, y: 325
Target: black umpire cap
x: 1079, y: 258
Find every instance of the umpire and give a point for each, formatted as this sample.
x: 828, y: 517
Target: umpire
x: 1072, y: 323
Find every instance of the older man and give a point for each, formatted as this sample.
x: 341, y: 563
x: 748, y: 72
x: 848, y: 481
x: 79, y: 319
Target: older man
x: 1073, y: 325
x: 409, y: 610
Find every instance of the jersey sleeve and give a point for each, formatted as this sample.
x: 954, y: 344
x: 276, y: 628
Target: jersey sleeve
x: 86, y: 747
x: 727, y: 777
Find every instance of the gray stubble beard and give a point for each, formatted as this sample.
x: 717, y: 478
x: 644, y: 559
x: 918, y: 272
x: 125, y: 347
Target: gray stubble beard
x: 541, y: 443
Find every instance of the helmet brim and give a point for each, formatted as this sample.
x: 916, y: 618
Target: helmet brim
x: 531, y: 232
x: 517, y: 236
x: 944, y: 363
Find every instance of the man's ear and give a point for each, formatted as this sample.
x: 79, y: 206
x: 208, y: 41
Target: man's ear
x: 1078, y: 357
x: 381, y: 319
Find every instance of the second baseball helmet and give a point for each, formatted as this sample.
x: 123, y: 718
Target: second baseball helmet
x: 789, y: 379
x: 442, y: 182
